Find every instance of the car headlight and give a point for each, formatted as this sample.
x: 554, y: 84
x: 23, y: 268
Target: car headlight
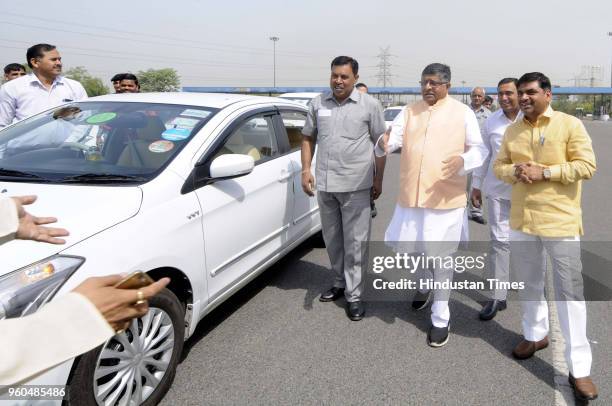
x: 24, y: 291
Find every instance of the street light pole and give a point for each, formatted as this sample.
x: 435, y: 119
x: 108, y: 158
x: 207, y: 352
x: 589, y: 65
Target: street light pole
x: 610, y: 35
x: 274, y: 39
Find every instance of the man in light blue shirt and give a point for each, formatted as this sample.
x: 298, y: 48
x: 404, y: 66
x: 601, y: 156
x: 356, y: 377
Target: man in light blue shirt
x: 40, y: 90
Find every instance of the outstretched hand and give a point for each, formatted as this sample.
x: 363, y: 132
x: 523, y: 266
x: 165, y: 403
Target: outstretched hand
x: 32, y: 227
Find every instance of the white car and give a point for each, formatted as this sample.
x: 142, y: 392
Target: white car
x: 203, y: 188
x: 390, y: 114
x: 302, y: 98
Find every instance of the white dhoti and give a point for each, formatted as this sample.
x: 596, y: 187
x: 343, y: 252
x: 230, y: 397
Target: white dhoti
x: 433, y: 232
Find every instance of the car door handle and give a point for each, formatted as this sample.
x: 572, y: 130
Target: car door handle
x: 284, y: 176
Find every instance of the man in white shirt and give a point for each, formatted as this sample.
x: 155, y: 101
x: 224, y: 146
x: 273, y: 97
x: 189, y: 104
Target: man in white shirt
x: 477, y: 98
x: 497, y: 192
x: 40, y: 90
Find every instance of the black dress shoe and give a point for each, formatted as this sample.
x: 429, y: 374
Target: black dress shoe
x: 478, y: 219
x: 355, y: 310
x: 420, y: 300
x: 437, y: 336
x: 332, y: 294
x: 490, y: 309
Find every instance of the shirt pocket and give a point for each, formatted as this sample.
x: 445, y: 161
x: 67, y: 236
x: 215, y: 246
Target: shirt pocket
x: 355, y: 126
x: 323, y: 126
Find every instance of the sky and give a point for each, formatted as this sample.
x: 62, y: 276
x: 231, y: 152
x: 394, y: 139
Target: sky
x: 227, y: 43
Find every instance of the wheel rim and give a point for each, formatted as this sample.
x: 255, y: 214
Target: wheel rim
x: 133, y: 363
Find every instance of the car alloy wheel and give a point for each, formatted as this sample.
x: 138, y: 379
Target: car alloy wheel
x: 137, y: 366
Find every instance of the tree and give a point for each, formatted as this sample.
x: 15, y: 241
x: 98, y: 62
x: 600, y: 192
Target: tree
x: 93, y: 86
x: 159, y: 80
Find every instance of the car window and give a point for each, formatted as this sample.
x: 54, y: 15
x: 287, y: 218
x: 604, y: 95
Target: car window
x: 254, y: 137
x: 106, y: 141
x: 294, y: 122
x: 390, y: 114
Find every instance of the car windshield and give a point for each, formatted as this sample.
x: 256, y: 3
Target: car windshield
x: 390, y: 114
x: 98, y: 142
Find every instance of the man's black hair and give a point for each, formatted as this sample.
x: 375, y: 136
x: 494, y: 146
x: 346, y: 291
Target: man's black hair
x: 541, y: 78
x: 130, y: 76
x: 117, y: 77
x: 439, y: 69
x: 37, y: 51
x: 360, y: 85
x: 11, y: 67
x: 346, y: 60
x: 508, y: 80
x: 488, y: 99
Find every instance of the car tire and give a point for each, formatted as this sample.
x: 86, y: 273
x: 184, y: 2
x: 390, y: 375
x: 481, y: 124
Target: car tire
x: 165, y: 306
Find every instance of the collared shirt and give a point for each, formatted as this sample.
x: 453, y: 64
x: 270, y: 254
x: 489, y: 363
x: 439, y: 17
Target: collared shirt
x: 492, y: 136
x: 23, y: 97
x: 559, y: 142
x: 345, y: 134
x: 482, y: 114
x: 475, y: 151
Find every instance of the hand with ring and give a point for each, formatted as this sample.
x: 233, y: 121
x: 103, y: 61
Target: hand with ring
x: 117, y: 305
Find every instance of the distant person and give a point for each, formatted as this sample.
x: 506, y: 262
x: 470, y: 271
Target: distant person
x: 13, y: 71
x: 116, y: 81
x: 361, y: 87
x: 497, y: 193
x: 344, y: 124
x: 72, y: 324
x: 129, y: 84
x: 488, y: 102
x: 40, y: 90
x: 477, y: 98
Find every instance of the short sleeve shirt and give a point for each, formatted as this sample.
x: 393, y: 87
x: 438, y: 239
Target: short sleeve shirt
x: 345, y: 134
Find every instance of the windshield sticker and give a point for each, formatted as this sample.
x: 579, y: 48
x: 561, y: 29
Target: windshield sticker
x: 101, y: 118
x: 195, y: 113
x: 176, y: 134
x: 184, y: 122
x: 161, y: 146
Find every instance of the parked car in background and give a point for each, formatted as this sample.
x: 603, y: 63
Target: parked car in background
x: 202, y: 188
x: 302, y: 98
x: 390, y: 114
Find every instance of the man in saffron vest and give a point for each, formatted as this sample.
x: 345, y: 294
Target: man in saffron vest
x: 441, y: 143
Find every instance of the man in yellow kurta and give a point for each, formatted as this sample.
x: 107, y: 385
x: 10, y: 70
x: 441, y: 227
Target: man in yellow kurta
x: 545, y: 156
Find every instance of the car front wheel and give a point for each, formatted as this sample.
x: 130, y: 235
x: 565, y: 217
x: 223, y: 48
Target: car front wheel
x: 137, y: 366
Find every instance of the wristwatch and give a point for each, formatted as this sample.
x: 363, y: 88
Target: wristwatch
x: 546, y: 173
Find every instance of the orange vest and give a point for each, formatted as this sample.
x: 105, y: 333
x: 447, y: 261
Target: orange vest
x: 431, y: 135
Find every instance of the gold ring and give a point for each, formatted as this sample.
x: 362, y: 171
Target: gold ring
x: 139, y: 297
x: 120, y: 331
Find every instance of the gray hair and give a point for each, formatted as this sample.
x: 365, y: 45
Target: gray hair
x: 484, y: 93
x: 439, y: 69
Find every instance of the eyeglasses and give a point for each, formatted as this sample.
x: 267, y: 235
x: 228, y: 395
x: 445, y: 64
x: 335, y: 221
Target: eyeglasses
x: 431, y: 83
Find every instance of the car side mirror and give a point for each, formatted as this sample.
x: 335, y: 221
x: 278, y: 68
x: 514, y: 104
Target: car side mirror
x: 226, y: 166
x: 229, y: 166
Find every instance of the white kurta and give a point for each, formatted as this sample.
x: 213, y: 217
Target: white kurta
x: 417, y: 224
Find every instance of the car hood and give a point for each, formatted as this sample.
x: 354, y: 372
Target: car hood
x: 82, y: 210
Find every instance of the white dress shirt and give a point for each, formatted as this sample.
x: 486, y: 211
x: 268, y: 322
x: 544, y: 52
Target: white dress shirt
x: 23, y: 97
x: 492, y: 136
x: 8, y: 216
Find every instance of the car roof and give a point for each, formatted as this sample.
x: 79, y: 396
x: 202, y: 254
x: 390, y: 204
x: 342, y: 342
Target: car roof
x: 303, y: 94
x: 214, y: 100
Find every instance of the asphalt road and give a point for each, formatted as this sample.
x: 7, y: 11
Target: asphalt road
x: 275, y: 343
